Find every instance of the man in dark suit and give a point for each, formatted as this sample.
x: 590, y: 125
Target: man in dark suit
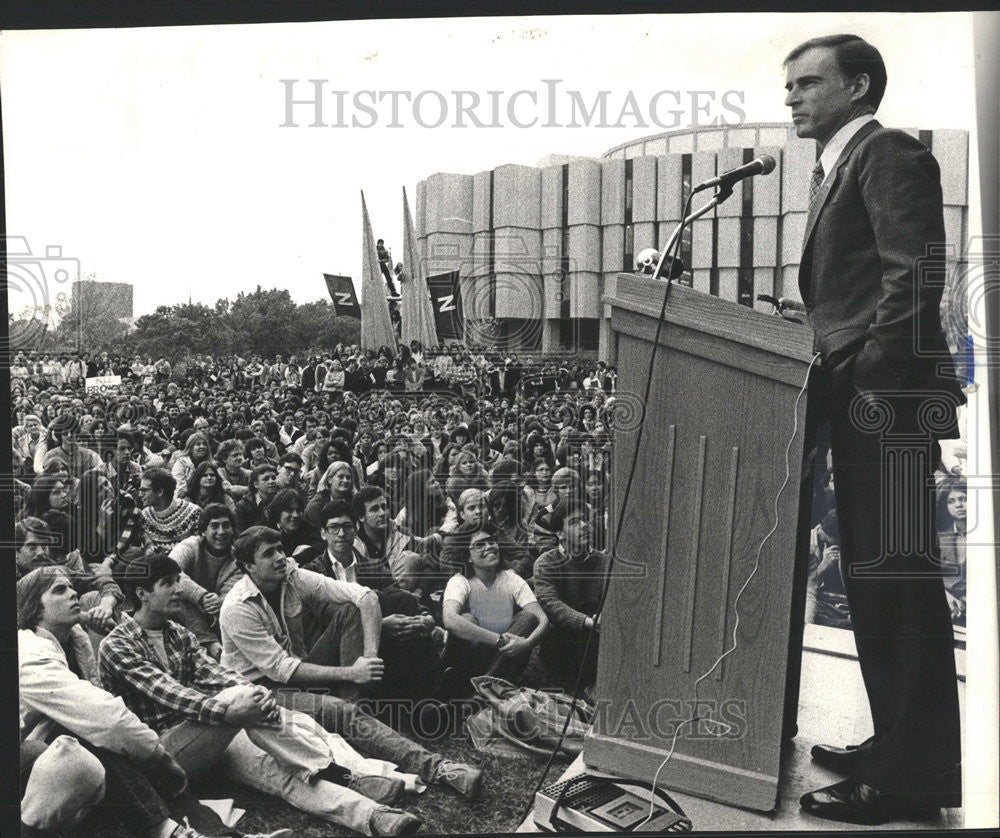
x: 886, y: 386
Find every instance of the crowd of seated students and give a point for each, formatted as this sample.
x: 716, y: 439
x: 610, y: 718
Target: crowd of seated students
x: 241, y: 558
x: 826, y: 594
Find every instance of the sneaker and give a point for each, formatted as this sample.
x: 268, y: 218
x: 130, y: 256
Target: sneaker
x: 384, y: 790
x: 386, y: 821
x: 464, y: 779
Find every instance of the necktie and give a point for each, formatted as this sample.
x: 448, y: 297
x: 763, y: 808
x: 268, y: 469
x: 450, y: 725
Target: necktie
x: 815, y: 183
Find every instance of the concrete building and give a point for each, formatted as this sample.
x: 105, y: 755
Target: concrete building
x: 537, y: 248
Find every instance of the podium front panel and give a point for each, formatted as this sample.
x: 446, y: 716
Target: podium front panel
x: 724, y: 401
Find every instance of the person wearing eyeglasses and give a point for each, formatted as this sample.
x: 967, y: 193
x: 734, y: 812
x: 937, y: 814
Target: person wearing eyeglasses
x: 410, y: 637
x: 290, y: 472
x: 492, y: 616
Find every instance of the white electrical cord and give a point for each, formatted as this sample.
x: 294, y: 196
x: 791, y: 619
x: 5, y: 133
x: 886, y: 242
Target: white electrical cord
x: 736, y: 602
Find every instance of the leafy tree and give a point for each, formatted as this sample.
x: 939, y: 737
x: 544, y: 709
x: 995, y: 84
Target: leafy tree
x: 263, y: 321
x: 318, y: 327
x: 180, y: 330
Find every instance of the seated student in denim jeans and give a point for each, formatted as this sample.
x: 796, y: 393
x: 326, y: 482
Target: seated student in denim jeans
x: 143, y: 786
x: 492, y: 617
x: 199, y: 709
x: 266, y: 639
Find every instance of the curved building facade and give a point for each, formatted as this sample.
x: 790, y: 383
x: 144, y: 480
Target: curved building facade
x: 538, y: 247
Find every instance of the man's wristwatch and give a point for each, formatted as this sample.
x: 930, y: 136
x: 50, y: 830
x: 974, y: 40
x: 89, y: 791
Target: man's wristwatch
x: 501, y: 640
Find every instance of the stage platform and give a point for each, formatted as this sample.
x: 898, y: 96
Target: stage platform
x: 832, y: 709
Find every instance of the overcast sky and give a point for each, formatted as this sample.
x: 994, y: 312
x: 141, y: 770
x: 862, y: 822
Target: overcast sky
x: 158, y: 156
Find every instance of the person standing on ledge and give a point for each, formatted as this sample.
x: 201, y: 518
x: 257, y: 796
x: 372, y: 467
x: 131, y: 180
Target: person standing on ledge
x: 875, y: 213
x: 385, y: 265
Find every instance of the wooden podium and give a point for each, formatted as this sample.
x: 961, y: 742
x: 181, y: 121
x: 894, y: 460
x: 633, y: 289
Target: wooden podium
x: 717, y: 423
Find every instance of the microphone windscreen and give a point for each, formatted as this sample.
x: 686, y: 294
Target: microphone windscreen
x: 767, y: 164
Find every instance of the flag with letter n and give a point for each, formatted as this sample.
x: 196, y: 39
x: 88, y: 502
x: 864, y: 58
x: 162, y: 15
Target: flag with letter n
x: 345, y: 301
x: 446, y: 295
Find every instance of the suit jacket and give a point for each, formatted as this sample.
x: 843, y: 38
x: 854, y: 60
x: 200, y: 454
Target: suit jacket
x: 869, y: 277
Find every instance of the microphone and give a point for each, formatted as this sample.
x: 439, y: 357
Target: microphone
x: 763, y: 165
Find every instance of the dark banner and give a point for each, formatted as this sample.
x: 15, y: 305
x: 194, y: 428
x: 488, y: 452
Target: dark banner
x: 446, y: 296
x: 345, y: 301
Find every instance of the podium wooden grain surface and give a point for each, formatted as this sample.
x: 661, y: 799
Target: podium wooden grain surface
x: 716, y: 426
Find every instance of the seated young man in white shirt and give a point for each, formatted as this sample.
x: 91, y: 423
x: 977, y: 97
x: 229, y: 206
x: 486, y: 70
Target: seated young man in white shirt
x: 264, y: 639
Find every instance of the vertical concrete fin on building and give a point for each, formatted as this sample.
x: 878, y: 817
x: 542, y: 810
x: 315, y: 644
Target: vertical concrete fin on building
x: 731, y: 158
x: 644, y: 190
x: 767, y: 189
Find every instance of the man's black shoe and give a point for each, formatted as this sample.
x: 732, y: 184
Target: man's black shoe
x: 852, y: 802
x: 841, y: 760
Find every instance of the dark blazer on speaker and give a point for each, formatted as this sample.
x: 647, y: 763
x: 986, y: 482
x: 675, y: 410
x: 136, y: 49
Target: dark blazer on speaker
x: 871, y: 279
x: 869, y: 242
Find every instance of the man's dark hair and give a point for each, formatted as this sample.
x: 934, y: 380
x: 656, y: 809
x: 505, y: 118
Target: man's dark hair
x: 854, y: 56
x: 246, y: 545
x: 161, y: 480
x: 364, y: 496
x: 334, y: 509
x: 213, y: 511
x: 252, y: 444
x: 461, y: 541
x: 563, y: 512
x: 506, y: 470
x: 284, y: 501
x: 831, y: 526
x: 145, y: 571
x: 132, y: 435
x: 291, y: 457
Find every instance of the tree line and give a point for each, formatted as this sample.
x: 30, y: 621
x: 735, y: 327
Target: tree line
x: 264, y: 321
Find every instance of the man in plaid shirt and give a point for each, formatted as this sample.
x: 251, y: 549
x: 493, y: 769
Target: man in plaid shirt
x: 199, y: 708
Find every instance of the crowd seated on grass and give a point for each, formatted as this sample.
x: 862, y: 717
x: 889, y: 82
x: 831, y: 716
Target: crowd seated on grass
x: 385, y: 536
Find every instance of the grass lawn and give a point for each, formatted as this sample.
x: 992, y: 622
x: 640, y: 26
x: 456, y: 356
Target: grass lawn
x: 508, y: 785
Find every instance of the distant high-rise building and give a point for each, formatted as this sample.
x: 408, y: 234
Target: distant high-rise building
x: 93, y: 300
